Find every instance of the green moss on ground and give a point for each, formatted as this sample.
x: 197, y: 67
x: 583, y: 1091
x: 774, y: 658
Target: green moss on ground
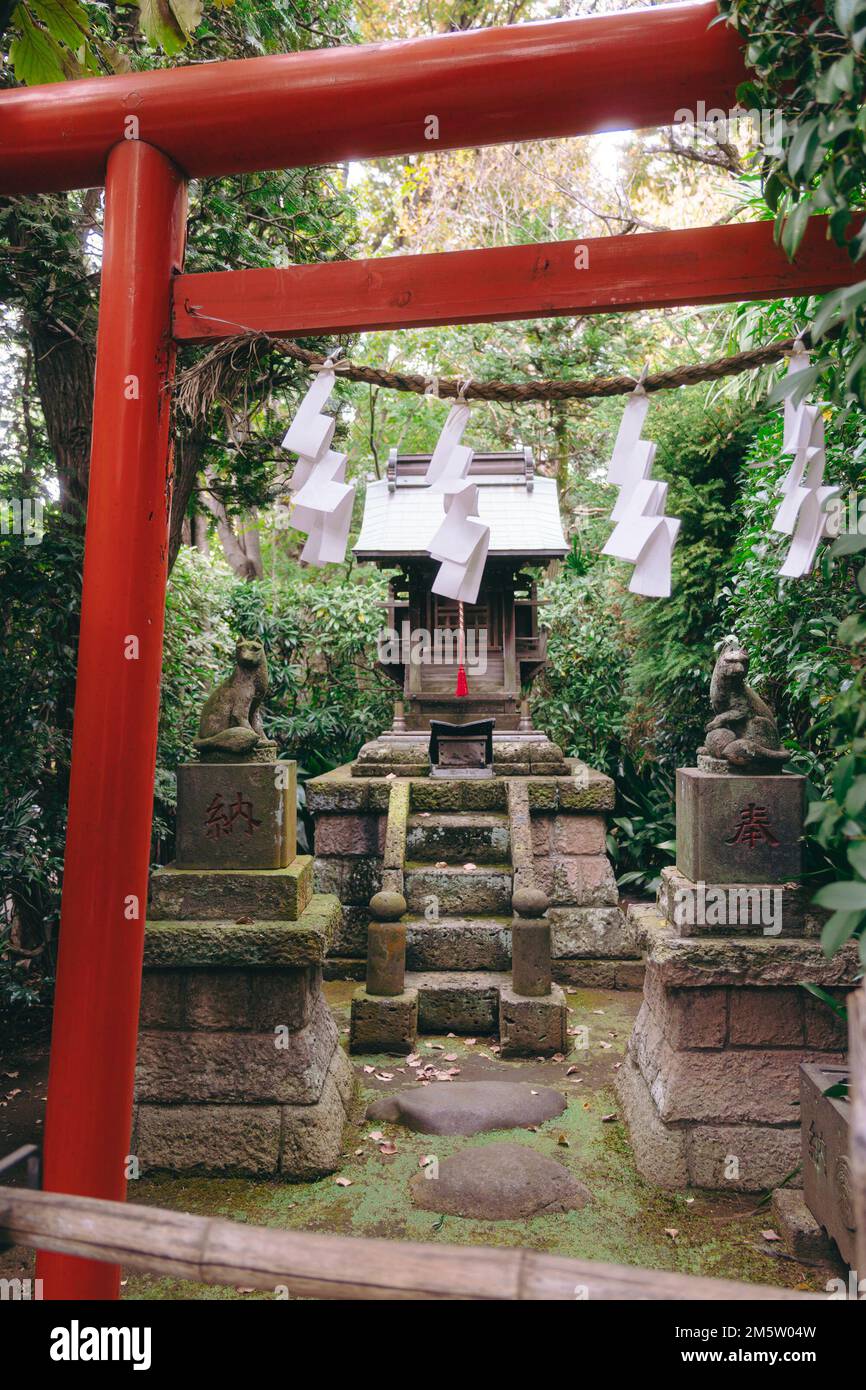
x: 628, y: 1221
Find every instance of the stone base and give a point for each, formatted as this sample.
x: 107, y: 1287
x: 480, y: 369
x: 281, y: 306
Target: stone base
x: 408, y: 755
x: 739, y: 829
x: 227, y: 895
x: 384, y: 1023
x: 294, y: 1142
x: 802, y: 1235
x: 239, y: 1065
x: 699, y: 909
x: 710, y: 1084
x: 236, y: 815
x: 532, y: 1027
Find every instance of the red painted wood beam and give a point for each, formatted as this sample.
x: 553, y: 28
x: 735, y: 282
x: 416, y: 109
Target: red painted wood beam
x: 93, y: 1044
x: 485, y: 86
x: 706, y: 265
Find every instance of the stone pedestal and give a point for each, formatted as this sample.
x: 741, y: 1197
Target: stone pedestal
x: 236, y: 815
x: 240, y: 1070
x: 710, y: 1083
x: 739, y: 829
x: 384, y: 1022
x: 532, y: 1027
x: 728, y: 909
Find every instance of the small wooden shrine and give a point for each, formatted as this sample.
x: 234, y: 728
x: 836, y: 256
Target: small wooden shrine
x: 505, y: 644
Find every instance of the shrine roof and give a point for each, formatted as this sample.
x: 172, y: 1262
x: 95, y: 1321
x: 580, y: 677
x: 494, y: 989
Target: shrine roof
x: 402, y: 514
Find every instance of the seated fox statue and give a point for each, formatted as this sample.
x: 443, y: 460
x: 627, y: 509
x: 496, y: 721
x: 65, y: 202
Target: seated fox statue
x: 231, y: 720
x: 742, y: 733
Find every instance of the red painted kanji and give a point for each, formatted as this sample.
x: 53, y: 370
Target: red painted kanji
x: 754, y: 828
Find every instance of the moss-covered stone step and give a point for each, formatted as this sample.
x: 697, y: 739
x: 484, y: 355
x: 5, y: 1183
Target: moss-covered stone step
x: 234, y: 945
x: 211, y: 895
x: 458, y: 943
x: 457, y: 889
x: 458, y: 1001
x: 457, y: 836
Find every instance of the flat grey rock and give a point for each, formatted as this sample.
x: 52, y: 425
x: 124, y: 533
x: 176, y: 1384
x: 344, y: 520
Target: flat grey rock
x: 468, y: 1107
x: 498, y: 1182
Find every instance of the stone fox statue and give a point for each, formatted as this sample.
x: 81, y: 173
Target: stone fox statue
x: 231, y: 720
x: 743, y: 730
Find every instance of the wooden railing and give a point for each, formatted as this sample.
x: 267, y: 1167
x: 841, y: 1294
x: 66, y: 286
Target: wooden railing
x: 212, y: 1251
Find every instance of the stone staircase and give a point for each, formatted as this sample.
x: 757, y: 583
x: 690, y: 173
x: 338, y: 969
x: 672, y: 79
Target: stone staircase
x: 457, y: 884
x: 457, y: 850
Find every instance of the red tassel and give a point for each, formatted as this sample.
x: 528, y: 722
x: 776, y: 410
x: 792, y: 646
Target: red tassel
x: 462, y: 686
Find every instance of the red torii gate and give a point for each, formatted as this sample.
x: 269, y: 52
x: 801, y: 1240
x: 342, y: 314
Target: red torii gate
x: 143, y: 135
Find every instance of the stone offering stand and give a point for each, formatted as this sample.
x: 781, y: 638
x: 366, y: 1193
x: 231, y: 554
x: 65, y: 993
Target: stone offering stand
x: 239, y: 1070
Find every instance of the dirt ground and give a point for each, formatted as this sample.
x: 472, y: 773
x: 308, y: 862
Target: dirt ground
x: 627, y: 1222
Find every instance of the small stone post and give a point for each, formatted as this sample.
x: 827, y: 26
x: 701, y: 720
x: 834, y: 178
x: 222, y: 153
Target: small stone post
x: 384, y: 1011
x: 532, y: 1013
x: 530, y: 944
x: 386, y: 945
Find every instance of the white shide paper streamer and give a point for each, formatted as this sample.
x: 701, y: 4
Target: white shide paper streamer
x: 462, y: 541
x: 802, y: 513
x: 322, y: 499
x: 643, y: 535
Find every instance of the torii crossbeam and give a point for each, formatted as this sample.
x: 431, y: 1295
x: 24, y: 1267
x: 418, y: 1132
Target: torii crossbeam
x: 143, y: 135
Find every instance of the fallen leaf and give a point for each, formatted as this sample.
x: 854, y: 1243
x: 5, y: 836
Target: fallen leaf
x: 672, y: 1232
x: 450, y: 1056
x: 343, y: 1182
x: 558, y: 1057
x: 569, y: 1071
x: 384, y: 1076
x: 606, y: 1046
x: 470, y: 1042
x: 770, y: 1235
x: 376, y: 1135
x: 606, y: 1119
x: 440, y: 864
x: 368, y: 1070
x: 470, y: 867
x: 389, y: 1147
x: 562, y: 1140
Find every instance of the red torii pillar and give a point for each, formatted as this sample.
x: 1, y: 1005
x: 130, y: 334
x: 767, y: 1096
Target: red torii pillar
x: 93, y: 1045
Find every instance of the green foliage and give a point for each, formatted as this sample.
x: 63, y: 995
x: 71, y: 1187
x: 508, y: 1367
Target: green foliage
x: 319, y: 630
x: 197, y: 653
x: 642, y: 837
x: 579, y: 698
x: 810, y: 68
x: 41, y: 587
x: 838, y: 822
x: 700, y: 451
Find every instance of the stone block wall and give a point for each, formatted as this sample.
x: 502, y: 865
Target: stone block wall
x: 557, y: 833
x: 240, y: 1070
x: 710, y: 1082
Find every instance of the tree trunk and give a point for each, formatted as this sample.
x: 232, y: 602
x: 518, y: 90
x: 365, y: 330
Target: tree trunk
x: 200, y: 537
x: 234, y: 552
x: 188, y: 454
x: 248, y: 536
x: 64, y: 366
